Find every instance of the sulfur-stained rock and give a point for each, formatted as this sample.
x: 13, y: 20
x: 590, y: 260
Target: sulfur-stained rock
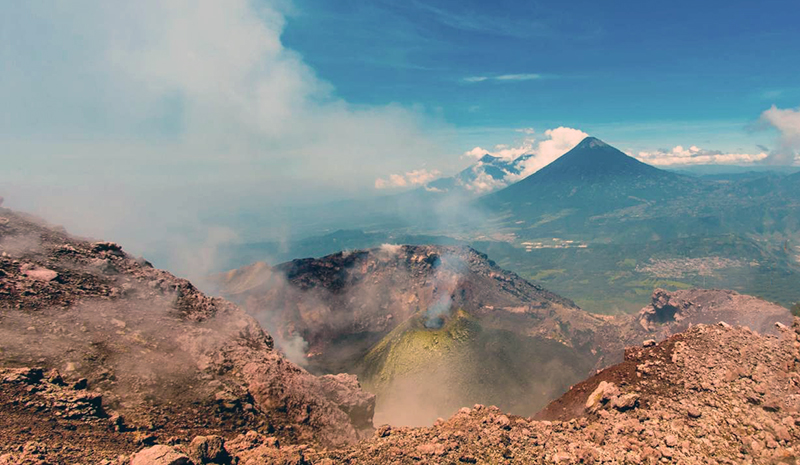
x: 604, y: 392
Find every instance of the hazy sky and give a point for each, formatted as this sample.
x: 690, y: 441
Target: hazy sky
x: 127, y: 120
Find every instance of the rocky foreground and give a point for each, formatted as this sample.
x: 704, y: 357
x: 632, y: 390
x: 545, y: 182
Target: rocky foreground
x: 106, y: 360
x: 713, y: 394
x: 101, y: 354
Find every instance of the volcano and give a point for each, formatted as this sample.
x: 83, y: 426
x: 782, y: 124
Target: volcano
x: 593, y: 176
x: 431, y: 328
x: 587, y: 192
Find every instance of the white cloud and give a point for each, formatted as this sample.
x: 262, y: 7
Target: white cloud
x: 787, y: 123
x: 411, y: 178
x: 558, y: 142
x: 475, y: 153
x: 484, y: 183
x: 503, y: 151
x: 390, y: 250
x: 228, y: 91
x: 696, y: 156
x: 518, y: 77
x: 503, y: 78
x: 419, y: 177
x: 537, y: 154
x: 771, y: 94
x: 190, y: 105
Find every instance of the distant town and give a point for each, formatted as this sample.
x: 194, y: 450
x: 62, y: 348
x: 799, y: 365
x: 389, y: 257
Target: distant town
x: 554, y: 243
x: 678, y: 268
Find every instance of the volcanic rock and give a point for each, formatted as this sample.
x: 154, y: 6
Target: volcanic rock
x: 208, y: 449
x: 679, y: 309
x: 605, y: 391
x: 141, y: 344
x: 160, y: 455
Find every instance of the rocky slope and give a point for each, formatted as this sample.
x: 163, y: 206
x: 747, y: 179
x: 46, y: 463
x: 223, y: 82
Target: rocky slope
x: 99, y: 348
x: 711, y: 395
x: 430, y: 329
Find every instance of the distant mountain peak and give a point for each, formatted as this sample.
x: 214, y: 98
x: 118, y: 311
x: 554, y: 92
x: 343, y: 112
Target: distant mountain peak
x: 590, y: 143
x: 472, y: 180
x: 592, y: 176
x: 592, y: 158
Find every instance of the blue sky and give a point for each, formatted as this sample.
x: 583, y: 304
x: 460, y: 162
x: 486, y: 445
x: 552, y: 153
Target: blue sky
x: 644, y: 74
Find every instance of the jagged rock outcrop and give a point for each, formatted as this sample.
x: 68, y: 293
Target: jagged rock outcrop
x: 99, y: 346
x: 681, y: 308
x: 666, y: 308
x: 671, y: 312
x: 345, y: 391
x: 208, y: 449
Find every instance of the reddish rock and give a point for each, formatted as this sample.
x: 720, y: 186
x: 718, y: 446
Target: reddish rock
x: 160, y: 455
